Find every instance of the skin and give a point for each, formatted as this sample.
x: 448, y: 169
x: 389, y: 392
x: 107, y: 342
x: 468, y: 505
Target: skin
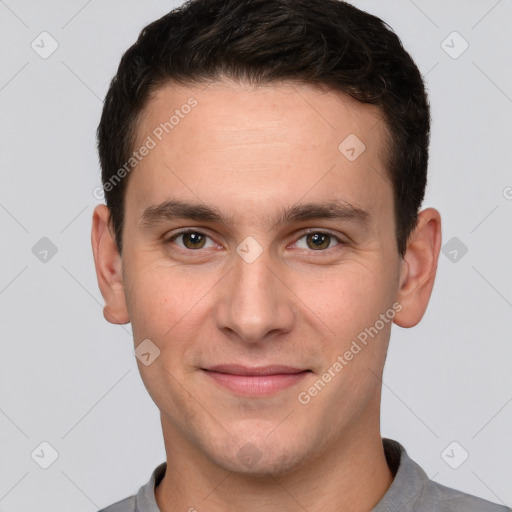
x: 251, y: 152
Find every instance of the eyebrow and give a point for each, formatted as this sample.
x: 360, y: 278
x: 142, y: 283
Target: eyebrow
x: 175, y: 209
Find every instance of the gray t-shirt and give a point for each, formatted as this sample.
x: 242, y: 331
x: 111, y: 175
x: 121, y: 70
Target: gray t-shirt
x: 411, y: 491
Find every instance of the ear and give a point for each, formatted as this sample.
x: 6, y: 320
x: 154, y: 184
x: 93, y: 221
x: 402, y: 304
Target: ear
x: 109, y: 267
x: 418, y: 268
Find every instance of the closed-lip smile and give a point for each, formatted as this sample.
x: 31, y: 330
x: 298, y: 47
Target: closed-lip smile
x: 255, y: 380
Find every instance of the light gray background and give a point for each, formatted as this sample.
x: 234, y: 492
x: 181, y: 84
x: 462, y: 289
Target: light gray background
x: 69, y: 378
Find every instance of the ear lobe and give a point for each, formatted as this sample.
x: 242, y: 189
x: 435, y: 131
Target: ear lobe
x: 419, y: 268
x: 109, y: 267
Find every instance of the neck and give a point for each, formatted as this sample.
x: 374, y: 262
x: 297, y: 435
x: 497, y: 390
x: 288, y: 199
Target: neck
x: 351, y: 476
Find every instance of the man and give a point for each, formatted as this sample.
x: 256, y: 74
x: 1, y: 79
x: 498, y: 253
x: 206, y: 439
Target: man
x: 264, y: 162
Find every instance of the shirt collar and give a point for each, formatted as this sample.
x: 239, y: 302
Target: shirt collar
x: 408, y: 483
x: 145, y: 500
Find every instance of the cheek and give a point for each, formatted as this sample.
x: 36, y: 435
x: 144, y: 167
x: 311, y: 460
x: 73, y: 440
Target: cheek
x: 162, y: 308
x: 349, y: 298
x: 168, y: 306
x: 154, y: 299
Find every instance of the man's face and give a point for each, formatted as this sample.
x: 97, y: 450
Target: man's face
x: 270, y: 280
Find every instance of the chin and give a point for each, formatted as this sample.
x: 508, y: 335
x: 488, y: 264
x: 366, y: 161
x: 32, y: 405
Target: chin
x: 261, y: 456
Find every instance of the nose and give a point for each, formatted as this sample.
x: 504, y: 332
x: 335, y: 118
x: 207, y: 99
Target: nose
x: 254, y: 304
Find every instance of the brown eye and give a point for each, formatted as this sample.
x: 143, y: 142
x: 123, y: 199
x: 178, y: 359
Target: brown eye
x: 193, y: 240
x: 318, y: 241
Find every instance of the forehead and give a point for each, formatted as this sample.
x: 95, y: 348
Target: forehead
x: 236, y: 145
x: 239, y: 112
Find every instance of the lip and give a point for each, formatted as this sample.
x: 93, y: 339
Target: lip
x: 255, y: 381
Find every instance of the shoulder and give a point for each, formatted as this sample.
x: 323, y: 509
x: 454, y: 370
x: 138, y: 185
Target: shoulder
x: 412, y: 490
x: 447, y: 499
x: 144, y: 500
x: 126, y: 505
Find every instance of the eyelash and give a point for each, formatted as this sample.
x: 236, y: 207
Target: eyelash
x: 171, y: 239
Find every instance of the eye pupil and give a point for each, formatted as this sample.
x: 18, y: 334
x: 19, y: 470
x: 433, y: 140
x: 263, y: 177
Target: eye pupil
x: 193, y: 240
x: 319, y: 241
